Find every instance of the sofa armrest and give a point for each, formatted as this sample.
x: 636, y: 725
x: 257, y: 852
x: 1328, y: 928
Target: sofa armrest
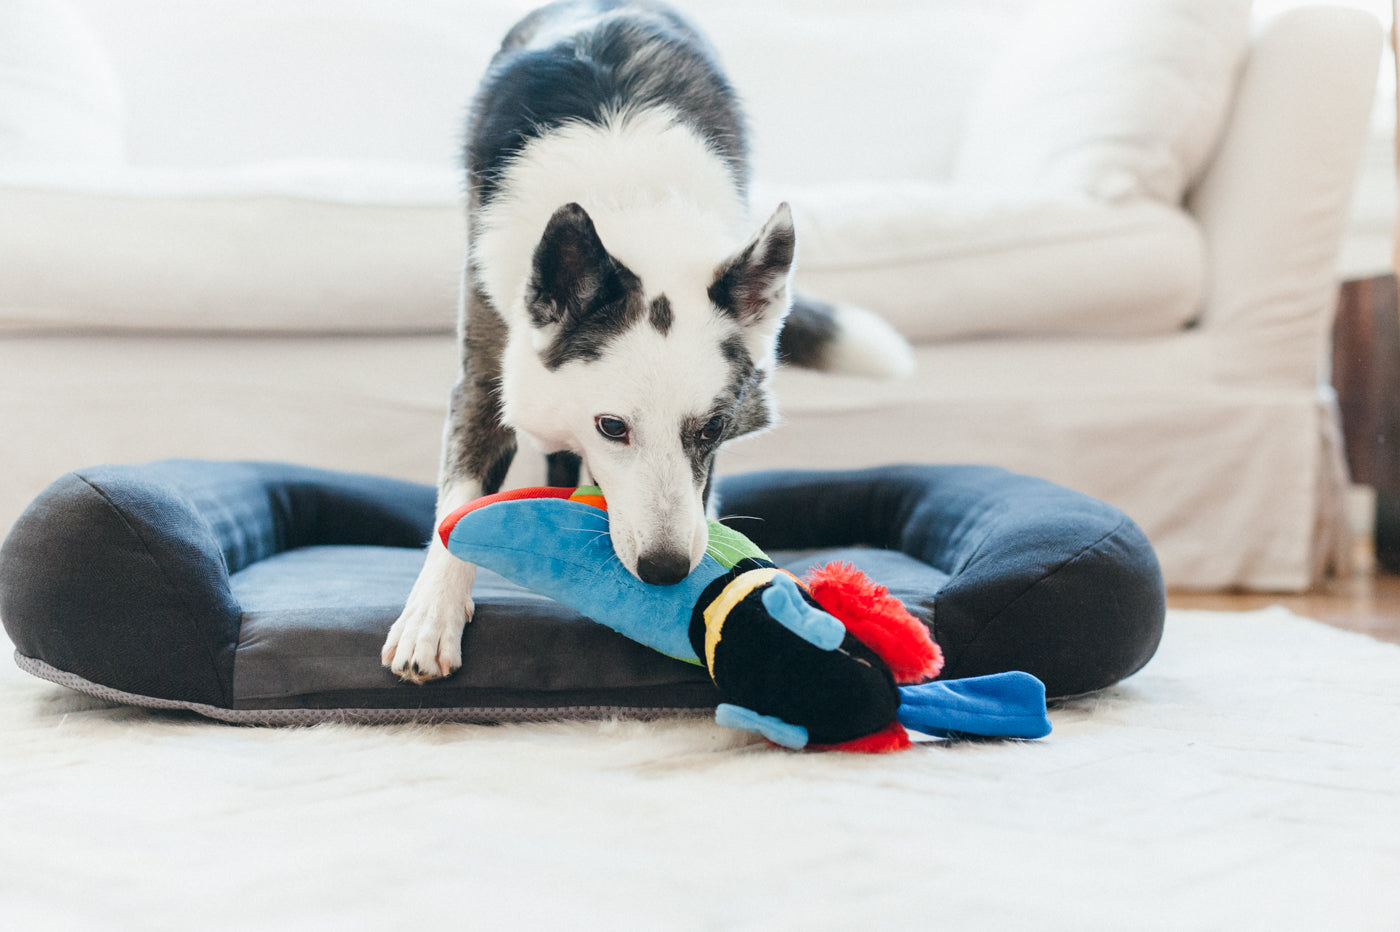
x: 1273, y: 201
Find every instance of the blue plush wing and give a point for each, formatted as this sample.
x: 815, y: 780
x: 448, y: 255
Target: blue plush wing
x: 1006, y: 705
x: 770, y: 727
x: 785, y: 603
x: 562, y: 549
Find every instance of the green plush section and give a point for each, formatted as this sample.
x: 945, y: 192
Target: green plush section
x: 729, y: 547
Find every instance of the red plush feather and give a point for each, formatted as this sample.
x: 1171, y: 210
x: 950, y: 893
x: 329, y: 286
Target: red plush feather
x: 510, y: 495
x: 877, y: 619
x: 890, y: 738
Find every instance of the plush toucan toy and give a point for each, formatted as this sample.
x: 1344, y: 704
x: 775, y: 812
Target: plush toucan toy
x: 828, y: 661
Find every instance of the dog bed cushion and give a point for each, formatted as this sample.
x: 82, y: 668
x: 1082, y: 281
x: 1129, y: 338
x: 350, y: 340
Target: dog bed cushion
x: 261, y: 593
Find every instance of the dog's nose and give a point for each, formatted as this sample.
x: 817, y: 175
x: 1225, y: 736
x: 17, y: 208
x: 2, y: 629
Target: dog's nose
x: 663, y: 567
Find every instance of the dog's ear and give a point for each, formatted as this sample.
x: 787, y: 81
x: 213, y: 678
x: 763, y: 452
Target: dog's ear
x: 572, y: 272
x: 752, y: 285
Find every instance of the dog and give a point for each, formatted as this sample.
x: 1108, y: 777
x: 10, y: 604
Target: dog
x: 618, y: 306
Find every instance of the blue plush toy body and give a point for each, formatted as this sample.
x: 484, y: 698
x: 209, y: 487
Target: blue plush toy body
x: 802, y: 664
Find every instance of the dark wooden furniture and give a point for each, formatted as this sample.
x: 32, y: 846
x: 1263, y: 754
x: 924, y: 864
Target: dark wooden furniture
x: 1366, y: 375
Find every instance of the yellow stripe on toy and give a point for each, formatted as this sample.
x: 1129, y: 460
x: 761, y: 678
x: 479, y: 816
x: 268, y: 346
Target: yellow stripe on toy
x: 734, y: 593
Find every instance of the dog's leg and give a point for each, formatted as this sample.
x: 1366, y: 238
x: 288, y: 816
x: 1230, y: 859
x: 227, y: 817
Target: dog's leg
x: 563, y: 469
x: 426, y: 641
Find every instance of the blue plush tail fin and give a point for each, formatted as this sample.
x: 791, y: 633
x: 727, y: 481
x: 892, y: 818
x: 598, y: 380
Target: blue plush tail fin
x: 1003, y: 705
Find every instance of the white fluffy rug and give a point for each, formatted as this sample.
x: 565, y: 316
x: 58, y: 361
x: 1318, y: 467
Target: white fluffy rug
x: 1249, y: 777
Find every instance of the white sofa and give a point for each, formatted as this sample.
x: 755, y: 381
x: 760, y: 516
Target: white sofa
x: 232, y: 229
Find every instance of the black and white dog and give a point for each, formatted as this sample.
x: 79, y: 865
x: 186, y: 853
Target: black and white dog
x: 616, y: 305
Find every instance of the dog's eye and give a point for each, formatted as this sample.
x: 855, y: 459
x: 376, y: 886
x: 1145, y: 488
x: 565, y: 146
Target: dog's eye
x: 712, y: 430
x: 614, y: 428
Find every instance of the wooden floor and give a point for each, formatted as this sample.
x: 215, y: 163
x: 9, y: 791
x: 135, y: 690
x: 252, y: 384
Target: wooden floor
x: 1368, y: 602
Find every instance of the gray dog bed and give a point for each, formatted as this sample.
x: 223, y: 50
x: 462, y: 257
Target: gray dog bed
x: 261, y: 593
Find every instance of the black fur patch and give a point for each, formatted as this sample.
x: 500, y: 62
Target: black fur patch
x: 742, y: 285
x: 661, y: 317
x: 740, y: 408
x: 632, y: 55
x: 701, y: 454
x: 753, y: 411
x: 480, y: 447
x: 588, y: 337
x: 577, y: 287
x: 737, y: 355
x: 562, y: 469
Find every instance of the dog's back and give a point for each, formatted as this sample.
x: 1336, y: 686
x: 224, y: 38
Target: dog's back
x: 588, y: 61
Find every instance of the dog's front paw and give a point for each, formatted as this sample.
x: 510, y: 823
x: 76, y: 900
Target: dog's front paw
x: 425, y: 643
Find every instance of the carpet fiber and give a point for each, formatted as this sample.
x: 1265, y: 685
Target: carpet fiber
x: 1249, y: 777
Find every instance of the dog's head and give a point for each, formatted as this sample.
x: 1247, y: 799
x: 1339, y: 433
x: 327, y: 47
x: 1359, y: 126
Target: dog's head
x: 645, y: 379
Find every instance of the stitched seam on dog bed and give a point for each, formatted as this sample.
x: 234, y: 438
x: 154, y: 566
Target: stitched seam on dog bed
x: 1048, y: 574
x: 225, y: 685
x: 370, y: 715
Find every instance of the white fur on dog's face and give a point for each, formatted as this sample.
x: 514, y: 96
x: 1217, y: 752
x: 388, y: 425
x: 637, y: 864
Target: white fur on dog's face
x: 666, y: 389
x: 645, y: 386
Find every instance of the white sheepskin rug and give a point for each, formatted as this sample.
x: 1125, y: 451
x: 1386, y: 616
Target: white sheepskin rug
x: 1249, y: 777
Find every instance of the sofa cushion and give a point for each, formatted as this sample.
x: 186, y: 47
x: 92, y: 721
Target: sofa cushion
x: 377, y: 248
x: 1107, y: 98
x: 262, y: 592
x: 941, y: 262
x: 278, y: 247
x: 59, y: 99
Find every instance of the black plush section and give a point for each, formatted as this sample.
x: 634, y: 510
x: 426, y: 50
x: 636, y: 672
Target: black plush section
x: 760, y: 664
x: 1041, y: 578
x: 837, y: 695
x: 120, y: 574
